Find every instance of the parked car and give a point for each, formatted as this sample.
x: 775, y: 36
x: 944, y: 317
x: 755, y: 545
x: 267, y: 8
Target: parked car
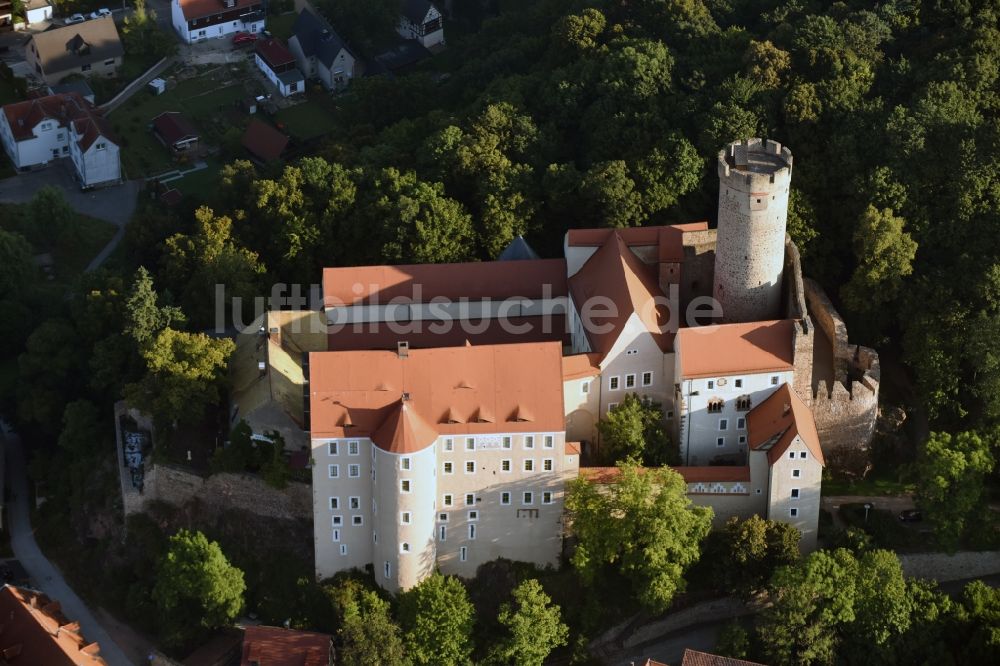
x: 910, y: 516
x: 75, y: 18
x: 100, y: 13
x: 244, y: 38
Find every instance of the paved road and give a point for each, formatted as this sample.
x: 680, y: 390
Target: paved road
x: 45, y: 576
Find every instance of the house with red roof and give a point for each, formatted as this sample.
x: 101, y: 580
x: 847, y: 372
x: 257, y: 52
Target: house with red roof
x: 273, y: 646
x: 35, y: 631
x: 39, y: 131
x: 279, y: 66
x: 198, y: 20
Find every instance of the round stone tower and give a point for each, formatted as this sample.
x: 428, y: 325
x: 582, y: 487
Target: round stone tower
x: 754, y: 180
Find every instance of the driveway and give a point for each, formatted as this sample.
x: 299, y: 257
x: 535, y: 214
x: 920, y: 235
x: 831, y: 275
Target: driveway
x: 45, y: 575
x: 891, y: 503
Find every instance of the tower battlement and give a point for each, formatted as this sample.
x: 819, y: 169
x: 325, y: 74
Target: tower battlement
x: 757, y: 164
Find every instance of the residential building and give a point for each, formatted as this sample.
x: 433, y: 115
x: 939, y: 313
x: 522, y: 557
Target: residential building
x: 35, y: 631
x: 175, y: 132
x: 278, y: 65
x: 440, y: 458
x: 321, y: 53
x: 38, y: 131
x: 421, y: 20
x: 91, y: 48
x: 264, y: 143
x: 272, y: 646
x: 78, y: 86
x: 197, y: 20
x: 37, y: 11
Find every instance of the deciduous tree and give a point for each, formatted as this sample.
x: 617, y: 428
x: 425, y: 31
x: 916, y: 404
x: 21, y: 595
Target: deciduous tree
x: 534, y: 627
x: 437, y: 617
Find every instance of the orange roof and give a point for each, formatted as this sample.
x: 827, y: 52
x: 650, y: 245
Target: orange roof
x: 579, y: 366
x: 614, y: 272
x: 702, y: 474
x: 696, y: 658
x: 572, y: 448
x: 669, y: 239
x: 357, y: 285
x: 378, y: 335
x: 193, y: 9
x: 450, y: 390
x: 284, y: 647
x: 730, y: 349
x: 776, y: 421
x: 33, y: 630
x: 63, y: 109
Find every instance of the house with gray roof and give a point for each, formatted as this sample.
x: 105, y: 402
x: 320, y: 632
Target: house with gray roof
x: 321, y: 53
x: 91, y: 48
x: 421, y: 20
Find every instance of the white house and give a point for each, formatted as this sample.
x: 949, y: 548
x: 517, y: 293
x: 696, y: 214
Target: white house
x: 321, y: 53
x: 36, y: 132
x: 37, y: 11
x: 421, y: 20
x: 197, y: 20
x: 278, y: 65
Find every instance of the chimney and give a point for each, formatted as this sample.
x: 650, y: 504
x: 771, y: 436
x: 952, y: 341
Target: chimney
x: 403, y: 349
x: 406, y: 396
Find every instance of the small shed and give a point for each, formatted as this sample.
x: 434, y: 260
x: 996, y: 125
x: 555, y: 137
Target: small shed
x: 157, y: 86
x: 175, y: 132
x: 36, y: 11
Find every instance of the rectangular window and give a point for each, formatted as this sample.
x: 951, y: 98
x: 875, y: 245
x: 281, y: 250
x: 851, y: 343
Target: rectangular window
x: 354, y: 503
x: 353, y: 448
x: 357, y: 521
x: 463, y: 553
x: 743, y: 439
x: 791, y: 455
x: 333, y: 471
x: 547, y: 465
x: 448, y: 468
x: 404, y: 518
x: 613, y: 383
x: 404, y: 548
x: 529, y: 442
x: 795, y: 493
x: 449, y: 444
x: 611, y: 406
x: 343, y: 549
x: 723, y: 424
x: 387, y: 569
x: 547, y: 497
x: 647, y: 379
x: 472, y: 532
x: 741, y: 423
x: 334, y: 503
x: 354, y: 471
x: 505, y: 465
x: 527, y: 498
x: 721, y: 441
x: 802, y: 454
x: 629, y: 381
x: 505, y: 497
x: 470, y: 467
x: 470, y: 499
x: 338, y: 521
x: 711, y: 384
x: 447, y: 499
x: 793, y: 512
x: 670, y: 414
x: 738, y: 383
x: 585, y: 387
x: 529, y: 465
x: 550, y: 442
x: 473, y: 515
x: 404, y: 464
x: 506, y: 442
x: 442, y: 533
x: 404, y: 485
x: 470, y: 443
x: 774, y: 380
x: 796, y: 473
x: 331, y: 449
x: 336, y: 535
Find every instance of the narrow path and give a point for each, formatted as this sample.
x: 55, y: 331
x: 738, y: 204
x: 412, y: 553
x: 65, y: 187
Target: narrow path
x: 44, y: 575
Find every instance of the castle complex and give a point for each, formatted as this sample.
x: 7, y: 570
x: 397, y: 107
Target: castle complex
x: 446, y: 406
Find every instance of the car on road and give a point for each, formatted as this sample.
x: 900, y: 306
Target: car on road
x: 244, y: 38
x: 100, y: 13
x: 75, y: 18
x: 910, y: 516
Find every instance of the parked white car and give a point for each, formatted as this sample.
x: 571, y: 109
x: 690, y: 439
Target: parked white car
x: 75, y: 18
x: 103, y: 11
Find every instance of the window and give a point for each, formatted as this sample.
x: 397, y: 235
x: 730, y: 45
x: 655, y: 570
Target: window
x: 449, y: 444
x: 647, y: 379
x: 473, y: 515
x: 529, y: 442
x: 331, y: 449
x: 585, y: 387
x: 720, y: 441
x: 711, y: 384
x: 334, y: 503
x: 791, y: 455
x: 447, y: 499
x: 741, y: 423
x: 743, y: 439
x: 404, y: 547
x: 443, y: 517
x: 549, y: 442
x: 357, y: 521
x: 505, y: 497
x: 795, y: 493
x: 611, y: 406
x: 404, y: 485
x: 333, y: 471
x: 470, y: 499
x: 529, y: 465
x: 738, y: 383
x: 336, y: 536
x: 743, y: 403
x: 463, y: 553
x: 404, y: 464
x: 338, y: 521
x: 547, y: 464
x: 448, y: 468
x: 723, y: 424
x: 715, y: 405
x: 774, y: 380
x: 796, y: 473
x: 802, y: 455
x: 352, y: 448
x: 343, y: 549
x: 613, y: 383
x: 527, y: 498
x: 388, y: 569
x: 442, y: 533
x: 354, y: 471
x: 470, y: 467
x: 472, y: 532
x: 374, y: 507
x: 354, y: 503
x: 505, y: 465
x: 404, y: 518
x: 470, y: 443
x: 506, y: 442
x: 631, y: 352
x: 757, y: 491
x: 630, y: 381
x: 547, y: 497
x: 670, y: 414
x: 793, y: 512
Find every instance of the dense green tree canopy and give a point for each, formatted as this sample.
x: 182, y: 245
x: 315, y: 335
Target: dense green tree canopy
x: 437, y: 618
x: 368, y: 634
x: 634, y: 431
x: 534, y: 627
x: 753, y: 549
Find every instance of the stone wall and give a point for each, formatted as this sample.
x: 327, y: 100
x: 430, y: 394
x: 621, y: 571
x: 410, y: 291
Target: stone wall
x: 943, y: 567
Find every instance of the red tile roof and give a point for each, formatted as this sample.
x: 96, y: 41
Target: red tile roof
x: 33, y: 630
x: 174, y: 127
x: 272, y: 646
x: 449, y: 390
x: 263, y: 141
x: 274, y: 52
x: 695, y: 658
x: 614, y: 272
x: 65, y: 108
x: 732, y: 349
x: 778, y: 420
x: 669, y: 239
x: 579, y: 366
x: 193, y: 9
x: 701, y: 474
x: 488, y: 332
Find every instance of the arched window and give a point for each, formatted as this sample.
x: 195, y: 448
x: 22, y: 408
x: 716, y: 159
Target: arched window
x: 715, y: 405
x: 743, y: 403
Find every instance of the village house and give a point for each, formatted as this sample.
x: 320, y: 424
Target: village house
x: 274, y: 646
x: 279, y: 66
x: 321, y: 53
x: 38, y: 131
x: 175, y: 132
x: 197, y: 20
x: 37, y: 11
x: 421, y: 20
x: 35, y: 631
x: 91, y: 48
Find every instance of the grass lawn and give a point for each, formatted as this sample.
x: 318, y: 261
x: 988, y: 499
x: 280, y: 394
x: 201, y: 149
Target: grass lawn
x: 281, y: 26
x: 201, y: 99
x: 202, y: 185
x: 311, y: 119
